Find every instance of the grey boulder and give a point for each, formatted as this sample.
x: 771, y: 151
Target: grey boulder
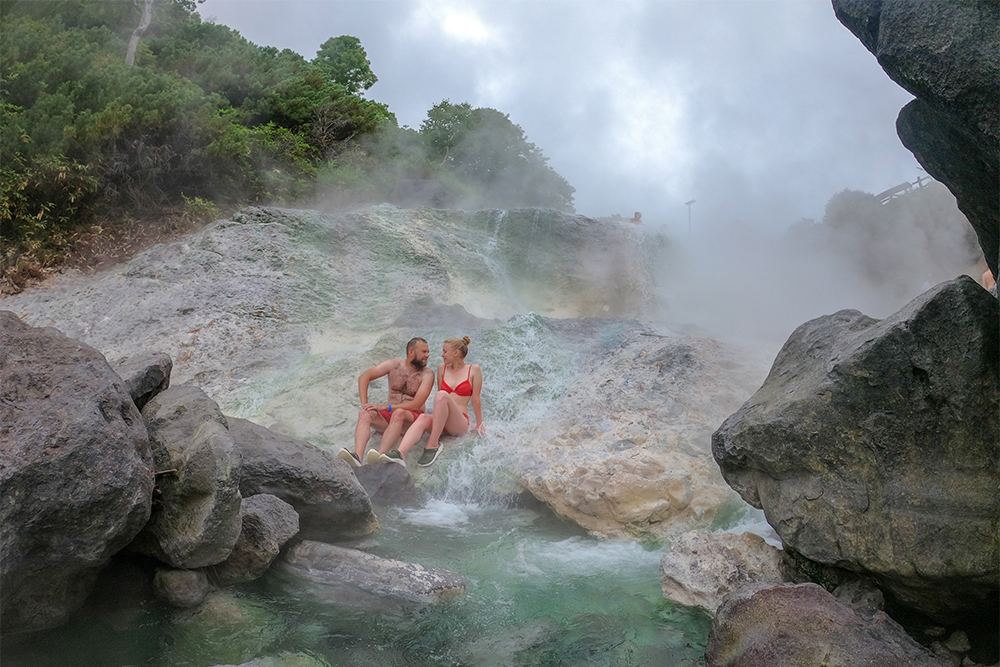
x: 145, y: 375
x: 268, y: 523
x: 196, y: 515
x: 791, y: 625
x: 872, y: 446
x: 76, y: 476
x: 331, y: 503
x: 181, y: 588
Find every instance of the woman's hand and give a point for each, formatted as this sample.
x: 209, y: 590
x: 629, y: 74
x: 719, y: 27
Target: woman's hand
x: 481, y: 428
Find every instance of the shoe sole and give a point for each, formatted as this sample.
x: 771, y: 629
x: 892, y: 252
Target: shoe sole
x: 385, y: 458
x: 437, y: 453
x: 345, y: 455
x: 373, y: 457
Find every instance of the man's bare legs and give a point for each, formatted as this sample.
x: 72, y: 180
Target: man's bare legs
x: 447, y: 418
x: 367, y: 420
x: 420, y: 425
x: 399, y: 419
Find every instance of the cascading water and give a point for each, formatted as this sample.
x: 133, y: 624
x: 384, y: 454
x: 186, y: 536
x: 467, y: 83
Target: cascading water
x: 350, y: 291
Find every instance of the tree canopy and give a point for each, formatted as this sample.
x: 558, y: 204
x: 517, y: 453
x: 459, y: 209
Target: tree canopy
x: 204, y: 115
x: 344, y: 61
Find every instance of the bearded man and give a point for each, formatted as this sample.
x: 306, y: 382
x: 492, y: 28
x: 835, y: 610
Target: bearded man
x: 410, y: 383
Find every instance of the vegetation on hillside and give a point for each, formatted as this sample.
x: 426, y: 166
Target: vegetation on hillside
x: 203, y: 119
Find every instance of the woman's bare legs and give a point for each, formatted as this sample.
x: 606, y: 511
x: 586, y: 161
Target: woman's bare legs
x: 447, y: 418
x: 412, y: 435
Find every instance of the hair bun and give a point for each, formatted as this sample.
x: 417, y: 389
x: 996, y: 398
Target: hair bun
x: 466, y: 340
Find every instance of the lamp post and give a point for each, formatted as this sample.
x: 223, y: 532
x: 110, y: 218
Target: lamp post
x: 688, y: 204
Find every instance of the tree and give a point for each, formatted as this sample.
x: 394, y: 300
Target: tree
x: 344, y: 61
x: 147, y: 17
x: 485, y: 149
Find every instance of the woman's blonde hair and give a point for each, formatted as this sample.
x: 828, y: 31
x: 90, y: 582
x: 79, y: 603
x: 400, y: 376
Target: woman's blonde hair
x: 460, y: 344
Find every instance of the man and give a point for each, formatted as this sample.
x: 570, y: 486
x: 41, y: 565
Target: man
x: 410, y: 383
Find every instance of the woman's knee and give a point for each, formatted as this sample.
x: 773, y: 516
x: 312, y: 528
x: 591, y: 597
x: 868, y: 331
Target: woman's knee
x: 441, y: 397
x: 423, y: 421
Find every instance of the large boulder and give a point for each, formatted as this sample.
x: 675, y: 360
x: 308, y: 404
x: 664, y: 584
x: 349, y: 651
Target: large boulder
x: 331, y: 503
x: 701, y: 568
x: 945, y: 53
x: 268, y: 523
x: 790, y: 625
x: 872, y: 446
x: 196, y: 515
x: 76, y: 474
x: 361, y: 580
x: 628, y: 452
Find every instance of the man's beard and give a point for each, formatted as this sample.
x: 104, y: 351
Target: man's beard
x: 418, y: 364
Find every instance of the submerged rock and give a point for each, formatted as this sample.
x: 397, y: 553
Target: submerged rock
x: 267, y: 524
x: 790, y: 625
x: 872, y: 446
x: 181, y: 588
x: 358, y: 579
x: 76, y: 473
x: 196, y: 518
x: 331, y: 503
x: 700, y: 569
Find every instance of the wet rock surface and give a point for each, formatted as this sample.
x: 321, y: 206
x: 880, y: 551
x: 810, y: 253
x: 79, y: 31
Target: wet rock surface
x: 699, y: 569
x: 76, y: 473
x: 628, y: 453
x: 872, y: 446
x: 790, y: 625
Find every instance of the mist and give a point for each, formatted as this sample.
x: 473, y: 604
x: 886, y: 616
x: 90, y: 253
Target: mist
x: 743, y: 284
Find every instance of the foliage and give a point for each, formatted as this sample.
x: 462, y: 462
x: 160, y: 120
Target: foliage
x: 203, y: 117
x: 485, y: 149
x: 344, y: 61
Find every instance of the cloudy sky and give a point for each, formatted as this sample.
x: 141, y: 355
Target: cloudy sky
x: 759, y: 110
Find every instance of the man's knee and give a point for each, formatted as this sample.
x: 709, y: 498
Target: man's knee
x: 365, y: 417
x: 399, y: 416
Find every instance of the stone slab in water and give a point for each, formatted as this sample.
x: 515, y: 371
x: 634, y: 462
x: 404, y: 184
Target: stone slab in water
x: 359, y: 579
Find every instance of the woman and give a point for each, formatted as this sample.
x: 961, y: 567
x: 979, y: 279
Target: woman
x: 458, y: 384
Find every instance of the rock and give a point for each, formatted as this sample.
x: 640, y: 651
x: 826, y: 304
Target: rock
x: 635, y: 492
x: 945, y: 53
x: 196, y: 519
x: 268, y: 522
x: 872, y: 446
x: 250, y: 629
x: 357, y: 579
x: 860, y: 594
x: 789, y: 625
x: 331, y: 503
x: 628, y: 453
x: 389, y: 484
x: 145, y: 375
x: 76, y: 473
x: 700, y: 568
x: 181, y: 588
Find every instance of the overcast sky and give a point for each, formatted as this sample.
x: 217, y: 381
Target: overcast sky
x: 758, y: 109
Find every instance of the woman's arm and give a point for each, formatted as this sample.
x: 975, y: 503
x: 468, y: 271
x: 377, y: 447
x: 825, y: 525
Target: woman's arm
x: 477, y: 384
